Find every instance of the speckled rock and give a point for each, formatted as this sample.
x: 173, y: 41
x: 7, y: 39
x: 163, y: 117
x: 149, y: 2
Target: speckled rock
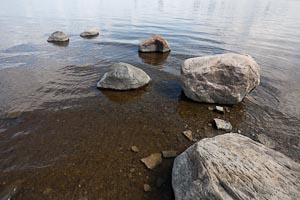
x: 58, y: 36
x: 223, y: 79
x: 154, y: 43
x: 232, y: 166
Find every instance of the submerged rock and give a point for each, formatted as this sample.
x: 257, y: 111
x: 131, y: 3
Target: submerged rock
x: 169, y: 154
x: 154, y: 43
x: 223, y: 79
x: 232, y: 166
x: 123, y: 76
x: 147, y: 187
x: 58, y: 36
x: 152, y: 161
x: 135, y: 149
x: 90, y: 33
x: 222, y: 124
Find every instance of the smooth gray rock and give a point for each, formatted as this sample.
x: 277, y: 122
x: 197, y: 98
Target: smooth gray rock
x: 123, y: 76
x: 223, y: 125
x: 90, y: 33
x: 232, y: 166
x: 223, y: 79
x: 58, y: 36
x: 154, y: 43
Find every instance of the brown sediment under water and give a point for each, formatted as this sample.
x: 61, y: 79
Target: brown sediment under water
x: 62, y: 138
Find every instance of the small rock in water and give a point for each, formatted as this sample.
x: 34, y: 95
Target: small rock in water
x: 223, y: 125
x: 147, y: 188
x: 227, y: 109
x: 135, y: 149
x: 90, y: 33
x: 169, y: 154
x: 152, y: 161
x: 209, y: 124
x: 154, y: 43
x: 58, y: 36
x: 210, y: 108
x: 219, y: 109
x: 188, y: 134
x: 239, y: 131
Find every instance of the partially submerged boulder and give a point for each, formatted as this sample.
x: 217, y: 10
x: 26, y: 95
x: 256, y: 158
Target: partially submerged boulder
x: 223, y: 79
x: 232, y: 166
x: 89, y: 33
x: 123, y: 76
x: 154, y: 43
x: 58, y: 36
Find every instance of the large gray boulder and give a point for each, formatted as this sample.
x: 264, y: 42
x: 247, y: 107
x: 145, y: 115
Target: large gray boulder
x: 232, y: 166
x: 58, y: 36
x: 223, y: 79
x: 123, y: 76
x: 154, y: 43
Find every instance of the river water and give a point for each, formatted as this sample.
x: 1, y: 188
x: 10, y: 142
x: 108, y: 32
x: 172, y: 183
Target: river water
x: 62, y: 138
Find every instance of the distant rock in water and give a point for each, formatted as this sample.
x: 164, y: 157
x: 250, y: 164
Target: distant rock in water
x: 223, y: 79
x: 90, y: 33
x: 58, y: 36
x: 154, y: 43
x: 232, y: 166
x: 123, y: 76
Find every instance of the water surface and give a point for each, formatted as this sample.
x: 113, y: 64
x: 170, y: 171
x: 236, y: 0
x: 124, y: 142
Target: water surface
x: 62, y: 138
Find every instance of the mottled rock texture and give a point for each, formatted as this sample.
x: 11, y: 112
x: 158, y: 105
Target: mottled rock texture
x: 232, y: 166
x: 58, y: 36
x: 223, y: 79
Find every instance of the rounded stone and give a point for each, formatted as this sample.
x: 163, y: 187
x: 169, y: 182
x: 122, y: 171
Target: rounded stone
x: 123, y: 76
x: 58, y: 36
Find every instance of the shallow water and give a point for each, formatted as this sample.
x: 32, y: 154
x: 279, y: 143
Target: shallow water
x: 61, y: 138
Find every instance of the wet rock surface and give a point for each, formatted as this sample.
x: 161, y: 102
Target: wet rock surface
x: 223, y: 79
x: 154, y: 43
x: 89, y: 33
x: 123, y: 76
x: 232, y: 166
x: 58, y: 36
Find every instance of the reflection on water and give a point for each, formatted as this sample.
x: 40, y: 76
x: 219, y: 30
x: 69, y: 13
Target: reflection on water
x: 62, y: 138
x: 157, y: 59
x: 60, y: 44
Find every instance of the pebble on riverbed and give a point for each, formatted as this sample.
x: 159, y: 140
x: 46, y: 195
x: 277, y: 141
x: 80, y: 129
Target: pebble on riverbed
x: 222, y: 124
x: 147, y: 187
x: 169, y: 154
x: 188, y: 134
x: 219, y: 109
x: 152, y: 161
x: 135, y: 149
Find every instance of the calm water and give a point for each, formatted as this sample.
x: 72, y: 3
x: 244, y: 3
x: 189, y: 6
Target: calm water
x: 61, y: 138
